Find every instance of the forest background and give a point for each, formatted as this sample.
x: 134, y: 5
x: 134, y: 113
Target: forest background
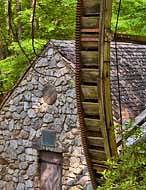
x: 26, y: 25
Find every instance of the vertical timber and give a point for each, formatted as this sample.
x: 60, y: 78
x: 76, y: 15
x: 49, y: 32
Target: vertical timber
x: 106, y: 63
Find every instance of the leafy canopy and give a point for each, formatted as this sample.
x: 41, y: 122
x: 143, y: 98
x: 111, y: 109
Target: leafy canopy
x: 132, y: 17
x: 54, y: 19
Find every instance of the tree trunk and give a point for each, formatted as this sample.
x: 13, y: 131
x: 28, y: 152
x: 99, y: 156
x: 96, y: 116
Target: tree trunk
x: 1, y: 88
x: 9, y: 18
x: 1, y: 50
x: 18, y: 9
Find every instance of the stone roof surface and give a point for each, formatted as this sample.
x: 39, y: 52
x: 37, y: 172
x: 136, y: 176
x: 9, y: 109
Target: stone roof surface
x: 132, y: 74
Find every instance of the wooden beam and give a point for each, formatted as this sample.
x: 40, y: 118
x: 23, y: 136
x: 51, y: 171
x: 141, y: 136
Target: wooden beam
x: 93, y: 124
x: 96, y: 141
x: 131, y: 38
x: 97, y: 154
x: 88, y: 30
x: 89, y: 38
x: 99, y: 168
x: 89, y: 75
x: 89, y: 92
x: 89, y: 45
x: 90, y: 23
x: 108, y: 131
x: 91, y: 109
x: 139, y: 120
x: 89, y: 58
x: 91, y: 7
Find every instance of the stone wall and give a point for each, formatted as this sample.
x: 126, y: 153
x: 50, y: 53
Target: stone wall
x: 31, y: 108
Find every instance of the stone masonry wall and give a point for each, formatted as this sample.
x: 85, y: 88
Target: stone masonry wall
x: 27, y: 112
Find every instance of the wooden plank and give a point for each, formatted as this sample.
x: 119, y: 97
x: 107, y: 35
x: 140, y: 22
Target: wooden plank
x: 51, y: 171
x: 91, y: 7
x: 87, y: 45
x: 89, y: 38
x: 93, y: 124
x: 94, y: 133
x: 97, y: 154
x: 96, y: 141
x: 91, y: 109
x: 99, y: 162
x: 89, y: 92
x: 90, y: 75
x: 89, y: 30
x: 89, y: 58
x: 139, y: 120
x: 99, y: 168
x: 107, y: 130
x: 90, y: 23
x: 131, y: 38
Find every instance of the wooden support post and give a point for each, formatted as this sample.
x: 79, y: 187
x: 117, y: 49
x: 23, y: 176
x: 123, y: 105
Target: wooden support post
x: 106, y: 75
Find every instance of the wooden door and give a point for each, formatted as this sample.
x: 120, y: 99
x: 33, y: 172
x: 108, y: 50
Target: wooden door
x: 51, y: 171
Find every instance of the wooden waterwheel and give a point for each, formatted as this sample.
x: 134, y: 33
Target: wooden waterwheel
x: 92, y: 84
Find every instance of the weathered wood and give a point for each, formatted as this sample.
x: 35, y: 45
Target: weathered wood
x: 89, y: 75
x: 89, y: 58
x: 99, y: 162
x: 90, y: 23
x: 96, y: 141
x: 91, y: 108
x: 89, y: 38
x: 106, y: 107
x: 130, y: 38
x: 91, y: 7
x: 94, y: 133
x: 139, y: 120
x: 94, y: 73
x: 99, y: 168
x: 87, y: 30
x: 97, y: 154
x: 87, y: 45
x: 93, y: 124
x: 51, y: 171
x: 89, y: 92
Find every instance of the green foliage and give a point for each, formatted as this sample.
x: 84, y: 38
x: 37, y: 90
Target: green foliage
x: 54, y: 19
x: 127, y: 171
x: 3, y: 28
x: 24, y: 16
x: 132, y: 17
x: 10, y: 68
